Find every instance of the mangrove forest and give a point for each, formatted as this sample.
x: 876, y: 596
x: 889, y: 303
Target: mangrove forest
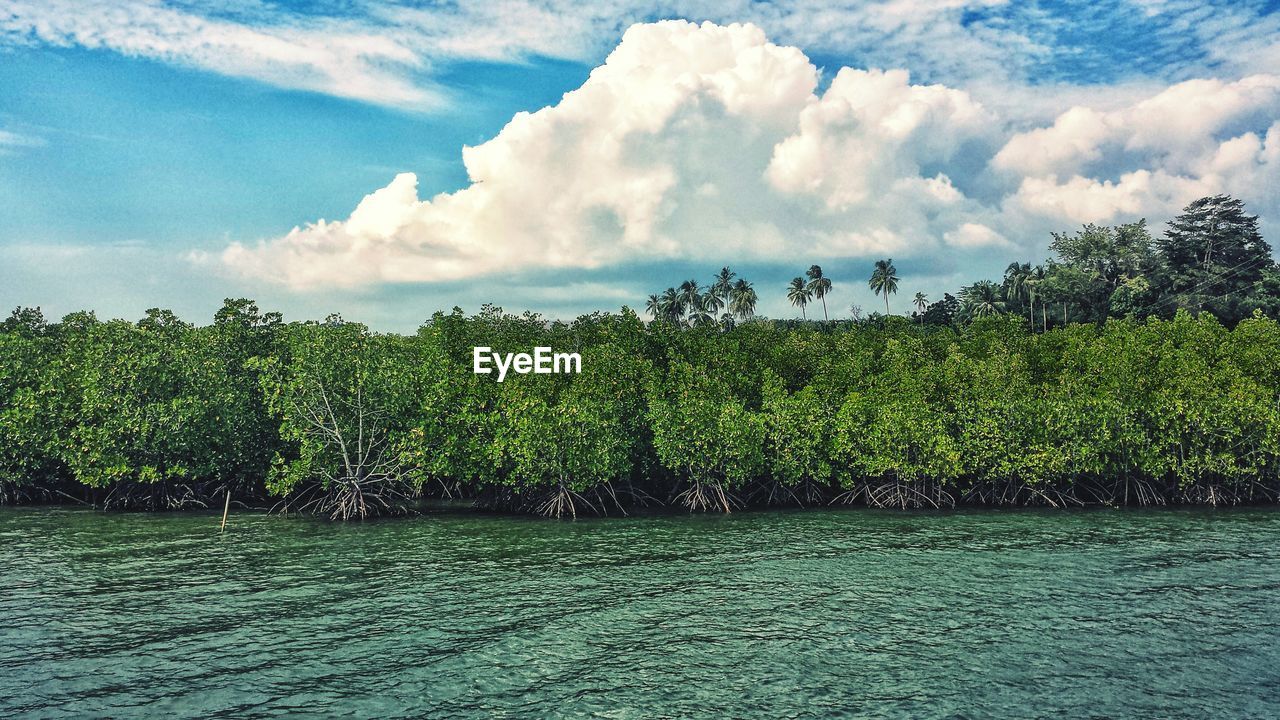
x: 1131, y: 371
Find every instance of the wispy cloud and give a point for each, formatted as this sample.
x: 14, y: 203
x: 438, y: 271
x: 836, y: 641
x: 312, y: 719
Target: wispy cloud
x: 14, y: 141
x: 336, y: 57
x: 389, y: 52
x: 10, y: 140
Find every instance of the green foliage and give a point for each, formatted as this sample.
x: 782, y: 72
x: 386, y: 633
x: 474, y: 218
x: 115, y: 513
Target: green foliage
x: 795, y: 429
x: 1001, y: 408
x: 343, y: 397
x: 27, y: 430
x: 894, y: 428
x: 704, y: 436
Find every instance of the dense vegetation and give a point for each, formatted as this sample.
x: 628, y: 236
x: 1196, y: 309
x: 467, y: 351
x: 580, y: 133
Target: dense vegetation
x: 333, y: 418
x: 980, y: 404
x: 1211, y: 259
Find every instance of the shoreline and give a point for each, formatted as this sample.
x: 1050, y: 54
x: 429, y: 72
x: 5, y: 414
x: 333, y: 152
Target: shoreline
x: 437, y: 508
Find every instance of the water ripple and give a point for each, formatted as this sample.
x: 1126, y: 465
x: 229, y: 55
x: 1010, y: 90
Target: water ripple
x: 776, y: 615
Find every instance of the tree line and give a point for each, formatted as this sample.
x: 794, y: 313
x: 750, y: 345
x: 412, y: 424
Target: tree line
x: 1211, y: 258
x: 331, y: 418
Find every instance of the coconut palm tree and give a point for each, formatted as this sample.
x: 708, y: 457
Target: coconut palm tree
x: 742, y: 299
x: 699, y: 315
x: 722, y: 285
x: 1016, y: 286
x: 884, y: 281
x: 653, y: 306
x: 1035, y: 291
x: 690, y: 291
x: 820, y: 286
x: 921, y: 302
x: 982, y: 299
x: 672, y: 305
x: 799, y: 294
x: 690, y: 299
x: 711, y: 302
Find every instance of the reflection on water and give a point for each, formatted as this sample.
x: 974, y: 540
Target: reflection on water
x: 770, y: 615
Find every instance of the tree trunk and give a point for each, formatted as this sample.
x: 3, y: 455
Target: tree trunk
x: 824, y: 308
x: 886, y: 304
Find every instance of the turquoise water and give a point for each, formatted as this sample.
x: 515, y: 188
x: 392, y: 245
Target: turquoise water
x: 770, y: 615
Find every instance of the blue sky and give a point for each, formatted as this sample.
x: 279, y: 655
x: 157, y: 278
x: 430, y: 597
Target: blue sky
x: 158, y: 154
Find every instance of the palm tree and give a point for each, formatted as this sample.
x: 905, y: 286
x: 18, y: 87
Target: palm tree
x: 982, y: 299
x: 884, y: 281
x: 921, y: 302
x: 1016, y: 279
x: 672, y: 305
x: 690, y: 292
x: 819, y: 286
x: 698, y: 315
x: 690, y: 298
x: 799, y: 294
x: 1035, y: 291
x: 742, y: 299
x: 711, y: 302
x: 653, y: 306
x: 722, y: 285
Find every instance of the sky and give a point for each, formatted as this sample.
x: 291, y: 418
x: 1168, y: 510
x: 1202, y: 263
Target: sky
x: 385, y: 160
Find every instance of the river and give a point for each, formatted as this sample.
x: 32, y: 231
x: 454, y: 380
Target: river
x: 781, y: 614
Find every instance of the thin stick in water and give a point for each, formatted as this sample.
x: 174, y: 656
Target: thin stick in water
x: 226, y: 508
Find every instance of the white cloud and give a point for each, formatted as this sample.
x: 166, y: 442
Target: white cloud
x: 870, y: 129
x: 10, y: 140
x: 337, y: 58
x: 1151, y: 157
x: 690, y: 141
x: 389, y: 52
x: 1074, y: 140
x: 975, y: 235
x: 709, y: 143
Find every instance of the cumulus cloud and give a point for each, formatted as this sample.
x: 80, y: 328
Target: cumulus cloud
x: 1195, y: 138
x: 710, y: 143
x: 975, y: 235
x: 690, y: 141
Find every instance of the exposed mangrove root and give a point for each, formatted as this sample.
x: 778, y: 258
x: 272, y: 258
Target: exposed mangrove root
x: 703, y: 496
x: 393, y: 492
x: 771, y: 493
x: 894, y: 494
x: 1213, y: 495
x: 354, y: 499
x: 1048, y: 496
x: 12, y: 493
x: 1138, y: 491
x: 774, y: 493
x: 158, y: 496
x: 850, y: 496
x: 1096, y: 495
x: 909, y: 496
x: 558, y: 502
x: 562, y: 501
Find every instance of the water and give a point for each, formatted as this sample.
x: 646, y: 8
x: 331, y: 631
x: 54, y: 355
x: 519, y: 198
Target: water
x: 769, y: 615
